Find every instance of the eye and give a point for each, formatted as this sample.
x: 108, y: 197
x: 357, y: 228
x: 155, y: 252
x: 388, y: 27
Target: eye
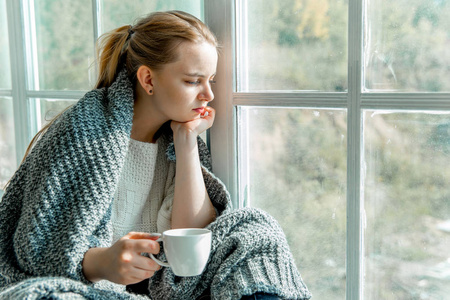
x: 212, y: 82
x: 193, y: 82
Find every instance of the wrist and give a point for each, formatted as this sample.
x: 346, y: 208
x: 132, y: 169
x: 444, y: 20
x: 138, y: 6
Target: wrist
x: 91, y: 265
x: 185, y: 138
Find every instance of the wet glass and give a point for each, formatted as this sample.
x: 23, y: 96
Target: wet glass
x: 292, y: 45
x: 63, y: 52
x: 407, y: 207
x: 406, y: 46
x: 292, y: 164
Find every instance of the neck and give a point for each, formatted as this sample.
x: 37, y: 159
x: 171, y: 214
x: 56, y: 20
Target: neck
x: 146, y: 122
x: 143, y: 133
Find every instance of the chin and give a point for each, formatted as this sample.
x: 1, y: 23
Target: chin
x: 185, y: 120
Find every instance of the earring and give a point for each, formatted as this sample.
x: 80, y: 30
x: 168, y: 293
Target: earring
x: 150, y: 92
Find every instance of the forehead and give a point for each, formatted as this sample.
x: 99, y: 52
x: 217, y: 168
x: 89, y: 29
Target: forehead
x: 195, y: 58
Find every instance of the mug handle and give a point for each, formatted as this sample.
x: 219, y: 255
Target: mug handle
x: 159, y: 262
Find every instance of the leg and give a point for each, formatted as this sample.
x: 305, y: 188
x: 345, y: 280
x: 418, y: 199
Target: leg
x: 249, y: 254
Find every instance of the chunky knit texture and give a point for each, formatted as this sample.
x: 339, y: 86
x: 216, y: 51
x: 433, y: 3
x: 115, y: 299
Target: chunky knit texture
x: 59, y: 203
x: 249, y: 254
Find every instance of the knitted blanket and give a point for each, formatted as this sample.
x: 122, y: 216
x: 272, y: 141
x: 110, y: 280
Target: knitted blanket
x: 58, y: 205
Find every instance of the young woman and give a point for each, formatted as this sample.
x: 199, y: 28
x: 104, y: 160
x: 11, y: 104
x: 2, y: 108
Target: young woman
x: 126, y: 161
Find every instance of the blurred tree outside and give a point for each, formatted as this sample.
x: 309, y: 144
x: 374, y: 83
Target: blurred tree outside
x: 65, y: 44
x: 406, y: 199
x: 297, y: 45
x: 406, y: 46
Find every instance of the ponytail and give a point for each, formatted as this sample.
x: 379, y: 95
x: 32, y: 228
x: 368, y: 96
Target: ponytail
x: 110, y: 47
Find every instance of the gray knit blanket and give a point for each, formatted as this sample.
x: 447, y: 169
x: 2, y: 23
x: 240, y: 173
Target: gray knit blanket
x: 58, y: 205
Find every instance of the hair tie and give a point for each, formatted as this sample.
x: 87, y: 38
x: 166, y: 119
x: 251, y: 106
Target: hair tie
x: 130, y: 32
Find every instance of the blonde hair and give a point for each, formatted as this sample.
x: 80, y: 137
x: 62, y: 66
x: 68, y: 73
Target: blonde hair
x: 152, y: 42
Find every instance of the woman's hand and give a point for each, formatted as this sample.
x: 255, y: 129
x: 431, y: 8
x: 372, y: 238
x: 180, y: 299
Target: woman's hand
x: 196, y: 126
x: 122, y: 262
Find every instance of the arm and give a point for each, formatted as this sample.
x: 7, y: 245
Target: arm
x: 192, y: 206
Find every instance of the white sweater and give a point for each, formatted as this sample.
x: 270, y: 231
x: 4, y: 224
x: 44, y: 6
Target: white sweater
x: 133, y: 208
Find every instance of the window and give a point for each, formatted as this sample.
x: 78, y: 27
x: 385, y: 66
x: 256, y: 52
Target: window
x: 333, y: 115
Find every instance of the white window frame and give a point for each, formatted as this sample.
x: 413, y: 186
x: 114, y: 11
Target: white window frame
x: 221, y: 16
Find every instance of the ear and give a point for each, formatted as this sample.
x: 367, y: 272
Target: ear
x: 144, y: 75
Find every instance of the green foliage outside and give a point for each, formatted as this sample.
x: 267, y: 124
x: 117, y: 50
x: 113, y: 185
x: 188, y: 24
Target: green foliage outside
x: 407, y: 46
x: 297, y: 45
x: 65, y: 44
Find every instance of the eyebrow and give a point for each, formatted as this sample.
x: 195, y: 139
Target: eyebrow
x: 198, y: 75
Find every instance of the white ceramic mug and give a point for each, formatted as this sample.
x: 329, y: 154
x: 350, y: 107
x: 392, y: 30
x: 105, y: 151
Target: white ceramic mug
x: 187, y: 250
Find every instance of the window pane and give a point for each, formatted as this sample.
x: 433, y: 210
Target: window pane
x: 292, y: 164
x: 407, y: 204
x: 407, y: 45
x: 64, y: 45
x: 293, y: 45
x: 117, y: 13
x: 8, y: 161
x: 50, y: 108
x: 5, y: 74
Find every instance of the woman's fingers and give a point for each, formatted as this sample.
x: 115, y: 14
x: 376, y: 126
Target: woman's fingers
x: 146, y: 264
x: 209, y: 112
x: 141, y: 242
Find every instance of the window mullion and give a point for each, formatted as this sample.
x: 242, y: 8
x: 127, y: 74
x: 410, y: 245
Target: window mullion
x: 354, y: 149
x: 31, y: 69
x: 96, y: 13
x: 292, y: 99
x: 219, y: 15
x: 409, y: 101
x: 18, y: 73
x: 53, y: 94
x: 242, y: 59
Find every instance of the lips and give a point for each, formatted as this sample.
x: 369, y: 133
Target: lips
x: 199, y: 110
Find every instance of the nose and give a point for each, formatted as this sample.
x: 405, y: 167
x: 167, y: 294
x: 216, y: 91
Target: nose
x: 207, y: 93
